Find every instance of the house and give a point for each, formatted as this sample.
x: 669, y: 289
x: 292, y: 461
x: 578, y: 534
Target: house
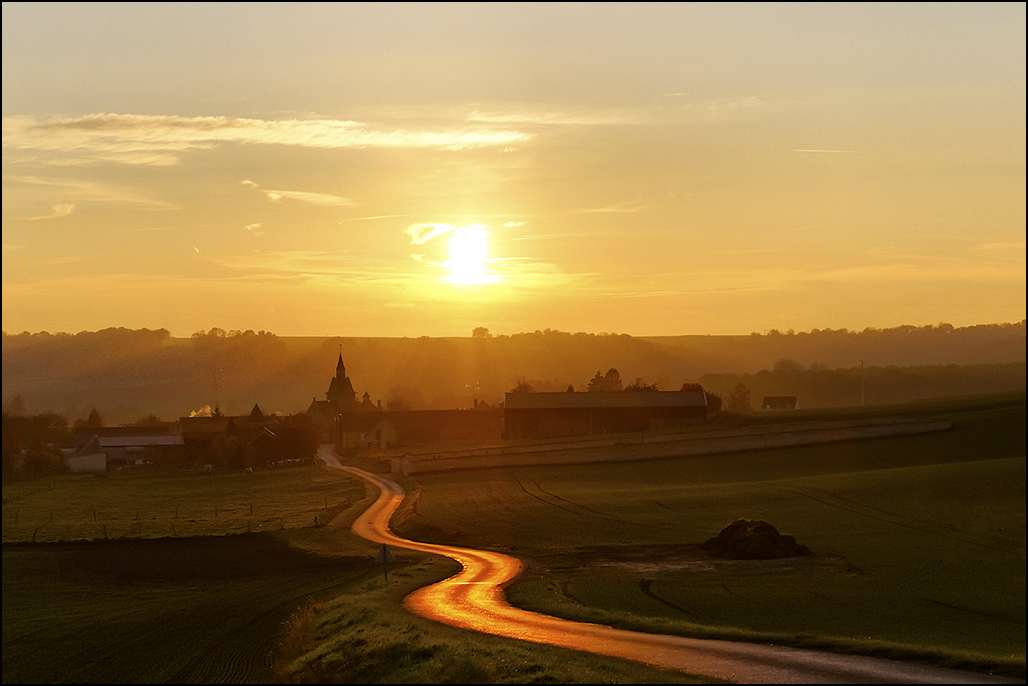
x: 547, y: 415
x: 124, y: 446
x: 242, y: 439
x: 779, y: 402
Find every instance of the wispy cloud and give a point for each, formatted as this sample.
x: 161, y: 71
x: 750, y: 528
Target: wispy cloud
x: 422, y: 233
x: 325, y: 199
x: 82, y: 191
x: 59, y: 210
x: 146, y: 139
x: 826, y: 150
x: 628, y: 207
x: 677, y: 108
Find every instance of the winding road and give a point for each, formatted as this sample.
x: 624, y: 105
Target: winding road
x: 474, y: 599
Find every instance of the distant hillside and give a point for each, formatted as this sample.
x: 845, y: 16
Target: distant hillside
x: 128, y: 374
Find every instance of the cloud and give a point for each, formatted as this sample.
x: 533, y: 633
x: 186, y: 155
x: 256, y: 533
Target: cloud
x: 422, y: 233
x: 313, y: 198
x: 325, y: 199
x: 59, y: 210
x: 83, y: 191
x: 148, y: 139
x: 678, y: 108
x: 628, y: 207
x: 849, y: 152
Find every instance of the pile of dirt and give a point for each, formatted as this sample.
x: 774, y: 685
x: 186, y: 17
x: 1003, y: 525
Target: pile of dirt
x: 753, y: 539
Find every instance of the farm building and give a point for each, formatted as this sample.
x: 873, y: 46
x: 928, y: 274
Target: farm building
x: 123, y: 446
x: 547, y: 415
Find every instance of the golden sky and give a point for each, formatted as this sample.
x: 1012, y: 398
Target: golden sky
x: 424, y: 169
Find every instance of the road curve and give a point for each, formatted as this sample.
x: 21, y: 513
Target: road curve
x: 474, y: 599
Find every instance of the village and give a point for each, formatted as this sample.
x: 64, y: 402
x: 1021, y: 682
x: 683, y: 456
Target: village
x: 216, y: 442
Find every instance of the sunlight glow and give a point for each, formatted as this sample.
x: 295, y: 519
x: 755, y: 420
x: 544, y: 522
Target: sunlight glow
x: 469, y: 256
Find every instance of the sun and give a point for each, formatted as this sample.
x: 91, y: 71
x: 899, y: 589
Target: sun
x: 469, y: 256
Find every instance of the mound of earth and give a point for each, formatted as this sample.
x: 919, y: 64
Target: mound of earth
x: 753, y: 539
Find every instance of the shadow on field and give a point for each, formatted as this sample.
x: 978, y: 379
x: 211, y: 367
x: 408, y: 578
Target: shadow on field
x: 190, y: 559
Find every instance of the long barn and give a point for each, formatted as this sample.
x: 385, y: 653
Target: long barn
x: 547, y: 415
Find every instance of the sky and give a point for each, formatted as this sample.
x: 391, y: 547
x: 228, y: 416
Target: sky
x: 324, y: 169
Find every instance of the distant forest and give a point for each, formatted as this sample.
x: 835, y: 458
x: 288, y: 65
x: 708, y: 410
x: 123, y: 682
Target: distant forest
x: 129, y: 374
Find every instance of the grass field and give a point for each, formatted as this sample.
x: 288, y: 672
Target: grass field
x: 919, y: 549
x: 919, y: 541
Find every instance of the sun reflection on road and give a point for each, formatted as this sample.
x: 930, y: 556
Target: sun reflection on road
x: 474, y: 599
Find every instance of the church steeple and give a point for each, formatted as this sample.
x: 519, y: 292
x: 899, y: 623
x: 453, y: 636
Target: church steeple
x: 340, y: 390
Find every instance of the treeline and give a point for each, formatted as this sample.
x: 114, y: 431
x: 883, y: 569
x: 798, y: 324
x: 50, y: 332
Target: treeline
x: 819, y: 387
x: 128, y: 373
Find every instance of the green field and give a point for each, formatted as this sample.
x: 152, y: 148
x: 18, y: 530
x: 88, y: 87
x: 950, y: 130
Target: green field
x: 918, y: 542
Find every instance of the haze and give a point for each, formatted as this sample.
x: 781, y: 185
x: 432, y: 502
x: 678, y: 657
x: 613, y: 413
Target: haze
x: 398, y: 169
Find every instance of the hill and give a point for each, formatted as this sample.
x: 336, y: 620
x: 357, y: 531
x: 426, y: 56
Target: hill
x: 128, y: 374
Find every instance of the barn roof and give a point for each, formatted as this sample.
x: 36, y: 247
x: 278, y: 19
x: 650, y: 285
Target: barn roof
x: 622, y: 399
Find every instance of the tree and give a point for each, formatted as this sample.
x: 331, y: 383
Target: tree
x: 17, y: 405
x: 44, y: 461
x: 523, y: 387
x: 149, y: 420
x: 687, y: 386
x: 397, y: 405
x: 606, y: 383
x: 787, y: 366
x: 480, y: 332
x: 713, y: 402
x: 640, y: 385
x: 739, y: 400
x: 93, y: 421
x: 37, y: 439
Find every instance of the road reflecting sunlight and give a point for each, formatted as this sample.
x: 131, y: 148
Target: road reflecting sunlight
x: 474, y: 599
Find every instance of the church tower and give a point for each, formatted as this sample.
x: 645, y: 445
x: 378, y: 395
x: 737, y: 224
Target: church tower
x: 340, y: 391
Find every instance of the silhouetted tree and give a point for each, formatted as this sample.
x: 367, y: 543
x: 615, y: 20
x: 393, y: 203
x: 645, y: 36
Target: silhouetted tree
x: 713, y: 402
x: 16, y: 406
x: 480, y: 332
x: 739, y: 400
x: 397, y: 405
x: 93, y: 421
x: 44, y: 461
x: 606, y: 383
x: 523, y: 387
x: 37, y: 439
x: 640, y: 385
